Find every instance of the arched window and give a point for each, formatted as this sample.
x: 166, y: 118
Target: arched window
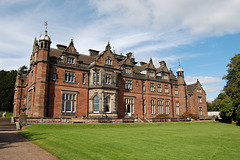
x: 96, y: 104
x: 107, y: 104
x: 108, y: 61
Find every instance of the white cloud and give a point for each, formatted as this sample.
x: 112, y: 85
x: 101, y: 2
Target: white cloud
x: 202, y: 79
x: 212, y: 88
x: 210, y: 99
x: 199, y: 17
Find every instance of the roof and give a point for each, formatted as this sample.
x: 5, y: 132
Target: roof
x: 191, y: 88
x: 55, y: 52
x: 86, y: 59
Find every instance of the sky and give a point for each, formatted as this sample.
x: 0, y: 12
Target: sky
x: 201, y: 36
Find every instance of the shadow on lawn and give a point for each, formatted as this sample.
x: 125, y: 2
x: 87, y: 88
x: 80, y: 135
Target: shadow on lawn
x: 9, y: 139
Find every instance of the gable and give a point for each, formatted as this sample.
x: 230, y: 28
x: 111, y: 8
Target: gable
x: 107, y: 59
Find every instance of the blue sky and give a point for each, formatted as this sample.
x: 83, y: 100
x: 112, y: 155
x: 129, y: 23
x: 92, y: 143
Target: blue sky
x: 202, y: 35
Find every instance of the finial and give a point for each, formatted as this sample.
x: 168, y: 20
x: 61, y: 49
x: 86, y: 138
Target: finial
x: 46, y: 24
x: 108, y: 47
x: 150, y: 60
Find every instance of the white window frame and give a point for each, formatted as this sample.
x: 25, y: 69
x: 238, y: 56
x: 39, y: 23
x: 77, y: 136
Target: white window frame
x: 159, y: 88
x: 128, y: 84
x: 153, y: 107
x: 70, y: 77
x: 177, y: 108
x: 152, y: 87
x: 160, y: 107
x: 72, y: 99
x: 167, y: 104
x: 166, y: 89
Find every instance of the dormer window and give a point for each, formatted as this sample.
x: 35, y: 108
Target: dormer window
x: 151, y: 74
x: 165, y: 76
x: 70, y: 60
x: 128, y: 71
x: 143, y: 72
x: 108, y: 61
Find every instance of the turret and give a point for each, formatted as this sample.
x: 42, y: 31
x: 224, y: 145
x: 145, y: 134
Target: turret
x: 180, y: 72
x: 180, y: 75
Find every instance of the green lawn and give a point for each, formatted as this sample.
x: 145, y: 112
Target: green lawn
x: 198, y: 140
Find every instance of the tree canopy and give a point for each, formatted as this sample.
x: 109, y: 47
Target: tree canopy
x: 7, y: 85
x: 232, y: 87
x: 224, y: 104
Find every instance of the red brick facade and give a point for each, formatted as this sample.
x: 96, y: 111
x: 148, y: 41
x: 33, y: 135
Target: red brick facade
x: 63, y: 83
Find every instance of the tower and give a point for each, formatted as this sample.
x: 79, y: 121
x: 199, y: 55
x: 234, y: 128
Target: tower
x: 42, y: 76
x: 180, y: 75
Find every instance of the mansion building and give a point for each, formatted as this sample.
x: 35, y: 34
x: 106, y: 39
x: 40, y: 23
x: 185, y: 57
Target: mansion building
x: 61, y: 82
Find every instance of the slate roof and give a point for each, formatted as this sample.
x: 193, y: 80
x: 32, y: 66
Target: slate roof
x: 191, y: 88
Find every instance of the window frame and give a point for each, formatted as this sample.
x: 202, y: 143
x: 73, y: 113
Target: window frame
x: 69, y: 97
x: 70, y: 77
x: 153, y: 107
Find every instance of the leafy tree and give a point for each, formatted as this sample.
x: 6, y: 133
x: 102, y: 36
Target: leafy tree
x: 232, y: 87
x: 23, y: 69
x: 7, y: 85
x: 225, y: 105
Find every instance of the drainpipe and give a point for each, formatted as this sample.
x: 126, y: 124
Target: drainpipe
x: 172, y: 100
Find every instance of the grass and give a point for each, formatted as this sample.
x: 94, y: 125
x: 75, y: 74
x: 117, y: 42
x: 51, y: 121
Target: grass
x: 200, y: 140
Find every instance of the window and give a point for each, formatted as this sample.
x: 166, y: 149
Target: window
x: 108, y: 61
x: 128, y: 84
x: 128, y: 71
x: 31, y: 76
x: 70, y: 77
x: 29, y: 101
x: 167, y: 107
x: 129, y: 106
x: 153, y: 108
x: 165, y: 76
x: 68, y: 103
x: 199, y: 90
x: 95, y: 78
x: 119, y: 81
x: 54, y: 78
x: 70, y: 60
x: 136, y: 83
x: 177, y: 108
x: 108, y: 79
x: 152, y: 87
x: 160, y: 107
x: 166, y: 90
x: 83, y: 78
x: 151, y: 74
x: 176, y: 91
x: 144, y: 106
x: 107, y: 104
x: 144, y: 87
x: 159, y: 88
x: 96, y: 104
x: 200, y: 111
x: 199, y: 99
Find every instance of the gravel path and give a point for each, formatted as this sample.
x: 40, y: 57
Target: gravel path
x: 14, y: 146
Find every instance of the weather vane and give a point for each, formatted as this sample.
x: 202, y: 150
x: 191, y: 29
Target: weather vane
x: 46, y: 24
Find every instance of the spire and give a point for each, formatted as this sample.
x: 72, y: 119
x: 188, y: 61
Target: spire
x: 150, y: 61
x: 108, y: 47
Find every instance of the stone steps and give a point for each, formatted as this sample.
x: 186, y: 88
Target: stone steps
x: 6, y: 125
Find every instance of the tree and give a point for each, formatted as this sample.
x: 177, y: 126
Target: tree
x: 225, y: 105
x: 232, y: 87
x: 7, y: 85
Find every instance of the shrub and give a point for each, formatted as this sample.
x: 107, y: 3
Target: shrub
x: 162, y: 116
x: 189, y: 115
